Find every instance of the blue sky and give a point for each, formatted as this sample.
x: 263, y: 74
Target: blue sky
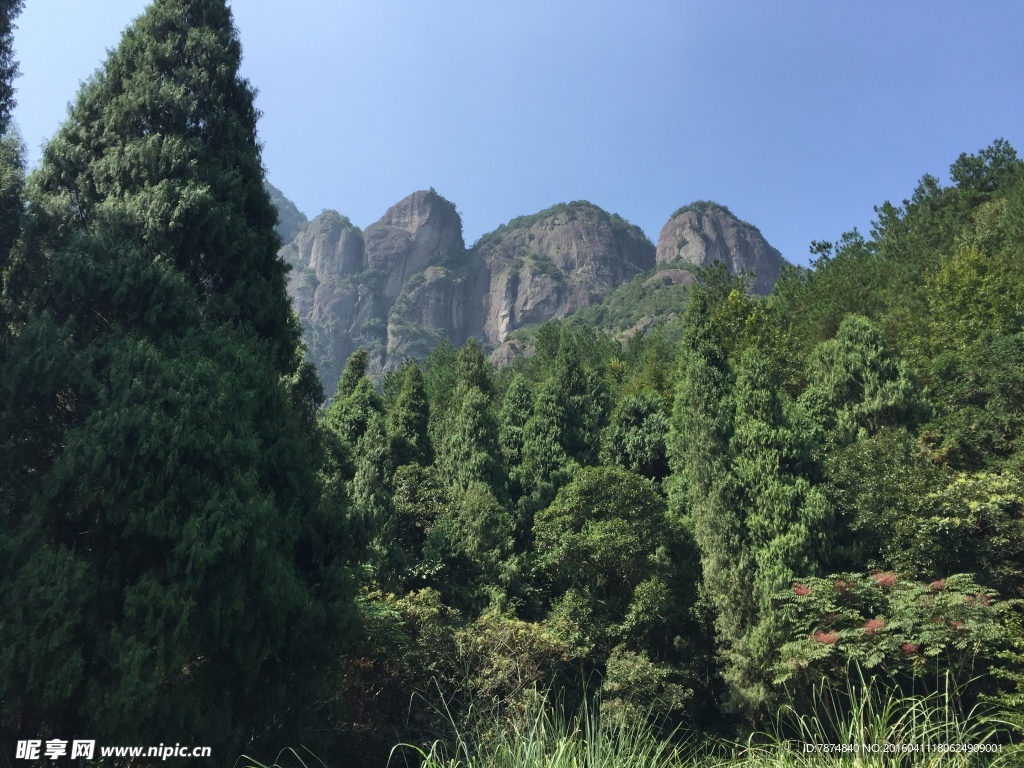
x: 800, y: 116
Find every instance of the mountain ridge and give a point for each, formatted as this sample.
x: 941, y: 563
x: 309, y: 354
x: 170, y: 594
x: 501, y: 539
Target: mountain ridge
x: 409, y: 279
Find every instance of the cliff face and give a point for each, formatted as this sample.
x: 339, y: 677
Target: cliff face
x: 557, y: 261
x: 702, y: 232
x: 408, y: 281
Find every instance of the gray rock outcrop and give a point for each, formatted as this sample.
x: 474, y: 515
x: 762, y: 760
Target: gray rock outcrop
x: 409, y: 281
x: 703, y: 232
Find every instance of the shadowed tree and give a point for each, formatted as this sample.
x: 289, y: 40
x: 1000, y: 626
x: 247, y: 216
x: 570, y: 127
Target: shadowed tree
x: 169, y: 566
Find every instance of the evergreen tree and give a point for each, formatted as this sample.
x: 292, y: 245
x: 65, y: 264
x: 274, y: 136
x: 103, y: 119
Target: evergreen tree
x: 9, y: 10
x: 473, y: 368
x: 580, y: 398
x: 12, y: 163
x: 856, y: 385
x: 165, y: 136
x: 168, y: 563
x: 516, y: 409
x: 371, y: 492
x: 469, y: 453
x: 353, y: 373
x: 785, y: 519
x: 409, y: 420
x: 635, y: 438
x: 418, y: 500
x: 355, y: 402
x: 546, y: 466
x: 702, y: 489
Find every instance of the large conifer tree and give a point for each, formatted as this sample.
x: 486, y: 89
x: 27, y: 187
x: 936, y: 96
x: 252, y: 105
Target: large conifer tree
x: 12, y: 166
x: 169, y: 567
x: 702, y: 489
x: 785, y: 521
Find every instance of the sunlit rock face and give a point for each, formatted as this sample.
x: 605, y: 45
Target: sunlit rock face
x: 409, y: 280
x: 702, y: 232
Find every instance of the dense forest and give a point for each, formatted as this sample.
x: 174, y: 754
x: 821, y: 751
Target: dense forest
x: 726, y: 518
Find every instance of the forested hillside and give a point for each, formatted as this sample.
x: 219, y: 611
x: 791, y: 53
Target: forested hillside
x: 685, y: 528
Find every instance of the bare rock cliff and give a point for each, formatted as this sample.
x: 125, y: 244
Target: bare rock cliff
x: 702, y: 232
x: 409, y: 281
x: 555, y: 262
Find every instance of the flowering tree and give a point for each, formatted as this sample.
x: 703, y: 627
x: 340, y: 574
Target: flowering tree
x: 881, y: 620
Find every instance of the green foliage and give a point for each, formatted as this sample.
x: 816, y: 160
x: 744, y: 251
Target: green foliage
x: 371, y: 492
x: 784, y: 523
x: 353, y: 374
x: 856, y: 385
x: 9, y: 10
x: 179, y: 521
x: 635, y: 438
x: 636, y: 689
x: 409, y: 420
x: 972, y: 294
x: 575, y: 209
x: 418, y: 501
x: 876, y: 486
x: 546, y: 465
x: 516, y: 410
x: 704, y: 207
x: 469, y: 452
x: 472, y: 367
x: 883, y: 621
x: 702, y: 490
x: 616, y: 565
x: 979, y: 396
x: 158, y: 451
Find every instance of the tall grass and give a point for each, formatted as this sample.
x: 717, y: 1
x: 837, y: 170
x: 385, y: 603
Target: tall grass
x: 881, y: 727
x: 550, y: 738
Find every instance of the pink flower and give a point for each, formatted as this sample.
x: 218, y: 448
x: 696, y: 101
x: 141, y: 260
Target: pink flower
x: 885, y: 580
x: 801, y: 590
x: 910, y: 648
x: 826, y: 638
x: 873, y: 625
x: 938, y: 586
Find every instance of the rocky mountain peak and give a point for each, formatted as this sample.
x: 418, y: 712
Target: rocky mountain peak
x: 705, y: 231
x: 408, y: 280
x: 421, y: 230
x: 557, y: 261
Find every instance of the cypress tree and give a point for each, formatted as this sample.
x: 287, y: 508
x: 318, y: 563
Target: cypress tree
x: 355, y: 402
x: 635, y: 438
x: 702, y: 490
x: 546, y: 465
x: 472, y: 367
x: 580, y: 401
x: 12, y: 164
x: 371, y: 492
x: 353, y: 373
x: 516, y: 409
x: 470, y: 453
x: 785, y: 522
x: 856, y: 385
x: 409, y: 419
x: 169, y: 567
